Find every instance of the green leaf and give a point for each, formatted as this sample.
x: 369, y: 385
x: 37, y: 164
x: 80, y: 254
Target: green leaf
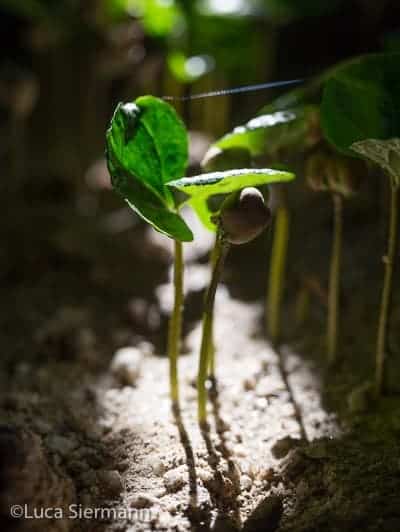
x: 146, y: 147
x: 292, y: 130
x: 384, y: 153
x: 361, y: 101
x: 150, y: 141
x: 149, y: 206
x: 202, y: 187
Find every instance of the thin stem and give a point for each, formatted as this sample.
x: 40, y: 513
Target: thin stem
x: 211, y: 345
x: 334, y: 278
x: 277, y: 272
x: 175, y: 323
x: 388, y: 261
x: 221, y: 251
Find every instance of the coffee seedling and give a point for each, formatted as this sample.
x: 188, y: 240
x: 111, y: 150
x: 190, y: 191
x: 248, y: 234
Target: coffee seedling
x: 242, y: 217
x: 147, y: 146
x: 331, y: 172
x: 359, y: 117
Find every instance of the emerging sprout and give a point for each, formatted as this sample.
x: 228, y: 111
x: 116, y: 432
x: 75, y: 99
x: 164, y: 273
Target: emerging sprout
x: 273, y: 138
x: 146, y: 148
x: 243, y: 216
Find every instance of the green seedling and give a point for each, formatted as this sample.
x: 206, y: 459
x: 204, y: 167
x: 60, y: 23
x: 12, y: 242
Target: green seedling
x: 147, y: 146
x: 360, y: 117
x: 331, y: 172
x: 273, y: 139
x: 241, y: 217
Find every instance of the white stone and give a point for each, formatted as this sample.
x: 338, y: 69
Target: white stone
x: 125, y: 365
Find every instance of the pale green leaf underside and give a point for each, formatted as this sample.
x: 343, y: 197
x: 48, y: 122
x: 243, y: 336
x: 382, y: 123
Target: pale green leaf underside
x: 206, y: 185
x: 381, y: 153
x: 201, y: 187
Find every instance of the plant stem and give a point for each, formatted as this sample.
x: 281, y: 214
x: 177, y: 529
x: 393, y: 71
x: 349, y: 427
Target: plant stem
x: 221, y: 250
x: 211, y: 345
x: 388, y: 260
x: 175, y: 323
x: 277, y: 271
x: 334, y: 279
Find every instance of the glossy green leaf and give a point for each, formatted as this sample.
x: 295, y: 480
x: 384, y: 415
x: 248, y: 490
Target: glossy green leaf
x: 148, y: 139
x: 293, y: 129
x: 202, y: 187
x: 361, y: 101
x: 146, y: 147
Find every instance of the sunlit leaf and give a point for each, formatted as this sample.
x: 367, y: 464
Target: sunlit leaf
x: 146, y: 147
x: 293, y: 129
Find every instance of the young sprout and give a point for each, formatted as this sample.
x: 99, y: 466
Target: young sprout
x: 217, y: 160
x: 387, y: 155
x: 242, y: 217
x: 338, y: 175
x: 147, y: 148
x: 359, y: 117
x: 272, y: 139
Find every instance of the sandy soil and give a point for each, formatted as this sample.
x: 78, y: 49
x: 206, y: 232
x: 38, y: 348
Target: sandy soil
x: 289, y: 447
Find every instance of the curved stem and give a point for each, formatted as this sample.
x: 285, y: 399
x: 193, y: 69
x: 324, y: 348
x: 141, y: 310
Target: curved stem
x: 175, y: 323
x: 334, y: 278
x: 221, y: 250
x: 277, y: 271
x: 388, y: 260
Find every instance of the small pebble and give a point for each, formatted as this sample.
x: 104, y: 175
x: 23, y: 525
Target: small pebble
x: 282, y: 447
x: 110, y: 482
x: 245, y: 483
x: 175, y: 479
x: 125, y: 365
x: 266, y: 516
x: 61, y: 445
x: 142, y: 500
x: 158, y: 467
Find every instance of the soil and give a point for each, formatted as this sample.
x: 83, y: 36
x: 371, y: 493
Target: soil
x: 290, y: 446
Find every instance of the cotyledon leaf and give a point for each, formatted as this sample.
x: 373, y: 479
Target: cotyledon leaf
x: 149, y: 140
x: 147, y: 146
x: 292, y: 130
x: 201, y: 187
x: 148, y: 205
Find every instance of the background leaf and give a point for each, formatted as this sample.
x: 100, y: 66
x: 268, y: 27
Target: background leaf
x: 361, y: 101
x: 268, y: 133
